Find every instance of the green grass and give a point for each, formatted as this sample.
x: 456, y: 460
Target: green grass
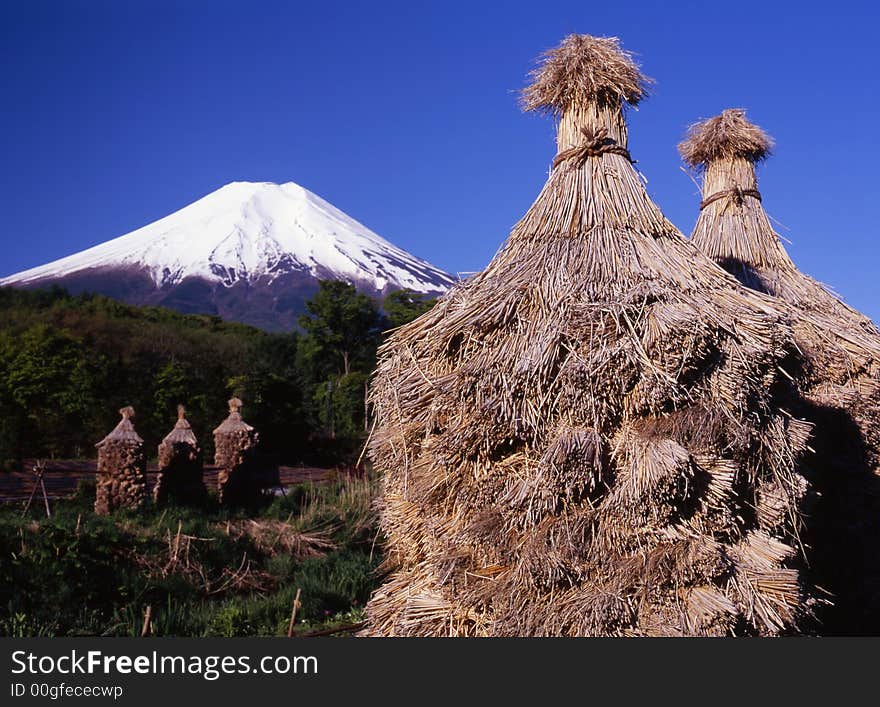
x: 202, y: 572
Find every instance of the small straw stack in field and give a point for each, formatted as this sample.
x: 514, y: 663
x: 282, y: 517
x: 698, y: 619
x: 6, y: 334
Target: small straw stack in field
x: 838, y: 369
x: 180, y: 466
x: 235, y: 449
x: 122, y: 468
x: 584, y: 438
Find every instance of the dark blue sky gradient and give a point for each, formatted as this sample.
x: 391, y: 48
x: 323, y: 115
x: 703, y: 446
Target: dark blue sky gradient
x: 405, y: 116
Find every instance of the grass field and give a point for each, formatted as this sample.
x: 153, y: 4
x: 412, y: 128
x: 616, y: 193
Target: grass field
x: 201, y: 572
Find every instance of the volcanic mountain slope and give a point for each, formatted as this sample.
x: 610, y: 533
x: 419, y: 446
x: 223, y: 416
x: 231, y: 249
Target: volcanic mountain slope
x: 248, y: 252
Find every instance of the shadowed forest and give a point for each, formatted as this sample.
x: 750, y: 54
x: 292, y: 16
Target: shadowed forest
x: 68, y: 363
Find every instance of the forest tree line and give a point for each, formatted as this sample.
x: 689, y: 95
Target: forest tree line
x: 68, y: 363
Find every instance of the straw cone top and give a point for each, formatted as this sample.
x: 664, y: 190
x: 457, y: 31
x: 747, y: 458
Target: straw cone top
x: 583, y: 69
x: 538, y: 429
x: 233, y: 423
x: 734, y: 230
x: 124, y: 431
x: 726, y: 136
x: 182, y: 432
x: 594, y: 220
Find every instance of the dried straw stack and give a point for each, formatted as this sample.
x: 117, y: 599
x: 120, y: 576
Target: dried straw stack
x: 235, y: 447
x: 122, y: 468
x: 842, y: 346
x: 180, y: 466
x: 838, y: 371
x: 583, y: 438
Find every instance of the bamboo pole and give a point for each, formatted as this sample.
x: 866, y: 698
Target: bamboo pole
x: 296, y: 605
x: 147, y: 627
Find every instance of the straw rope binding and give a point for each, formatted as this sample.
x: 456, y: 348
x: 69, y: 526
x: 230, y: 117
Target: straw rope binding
x: 597, y: 143
x: 735, y: 193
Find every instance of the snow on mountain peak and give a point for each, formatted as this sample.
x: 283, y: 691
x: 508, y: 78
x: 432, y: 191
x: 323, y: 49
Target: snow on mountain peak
x: 248, y: 230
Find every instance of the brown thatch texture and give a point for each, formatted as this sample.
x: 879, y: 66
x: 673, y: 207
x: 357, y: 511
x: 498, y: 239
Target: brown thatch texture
x: 122, y: 468
x: 235, y: 448
x: 839, y: 359
x: 582, y: 439
x: 726, y: 136
x: 180, y: 465
x: 735, y: 232
x: 585, y: 69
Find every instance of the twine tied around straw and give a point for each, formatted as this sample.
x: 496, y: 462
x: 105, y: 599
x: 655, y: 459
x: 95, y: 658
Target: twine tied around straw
x: 736, y: 193
x: 597, y: 143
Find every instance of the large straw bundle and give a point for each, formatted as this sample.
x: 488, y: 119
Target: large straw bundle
x: 180, y: 466
x: 122, y: 468
x: 839, y: 365
x: 582, y: 439
x: 733, y: 229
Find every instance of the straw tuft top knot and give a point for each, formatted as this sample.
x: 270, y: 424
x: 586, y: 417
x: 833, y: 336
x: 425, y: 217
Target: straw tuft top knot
x: 182, y: 423
x: 235, y: 405
x: 727, y: 135
x: 127, y: 412
x: 584, y: 68
x: 182, y: 431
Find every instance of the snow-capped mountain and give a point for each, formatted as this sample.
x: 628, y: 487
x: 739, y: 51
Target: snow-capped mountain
x: 250, y: 252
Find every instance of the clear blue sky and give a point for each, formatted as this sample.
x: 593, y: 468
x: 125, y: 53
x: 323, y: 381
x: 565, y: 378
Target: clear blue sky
x: 404, y: 115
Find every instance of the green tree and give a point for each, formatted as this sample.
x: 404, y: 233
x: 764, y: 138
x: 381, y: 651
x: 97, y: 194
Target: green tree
x: 342, y: 330
x: 340, y: 405
x: 13, y: 420
x: 337, y: 354
x: 171, y: 388
x: 51, y: 378
x: 272, y: 391
x: 402, y: 306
